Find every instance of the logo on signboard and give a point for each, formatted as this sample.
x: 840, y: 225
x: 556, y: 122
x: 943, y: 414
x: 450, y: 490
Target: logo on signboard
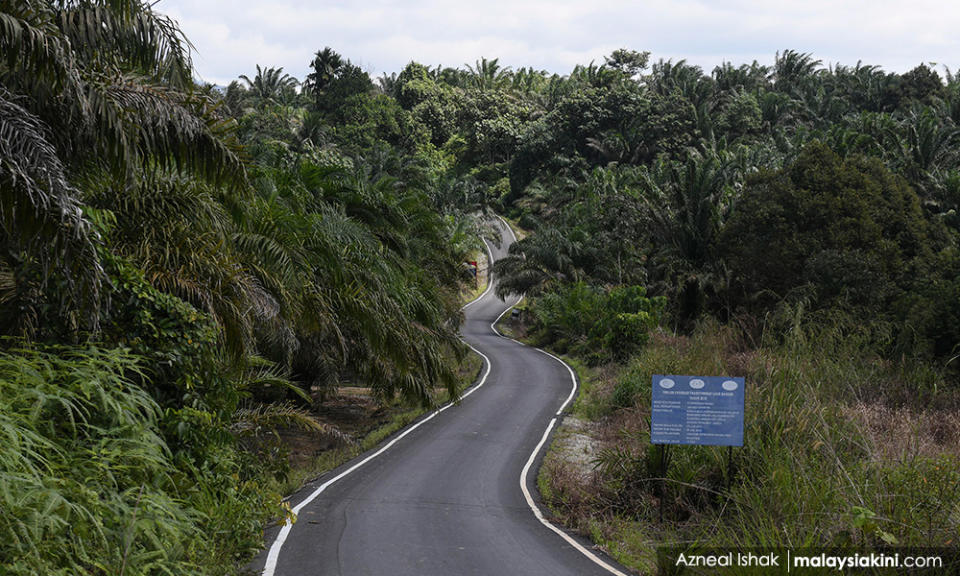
x: 705, y: 410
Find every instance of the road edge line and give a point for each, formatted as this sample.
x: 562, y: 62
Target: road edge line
x: 546, y: 434
x: 273, y: 555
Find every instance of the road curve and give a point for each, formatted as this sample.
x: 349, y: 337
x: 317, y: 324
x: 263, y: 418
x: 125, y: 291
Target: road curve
x: 445, y: 498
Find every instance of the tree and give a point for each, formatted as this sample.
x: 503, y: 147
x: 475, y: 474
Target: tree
x: 686, y: 204
x: 90, y: 89
x: 750, y: 78
x: 922, y: 85
x: 325, y: 64
x: 792, y: 69
x: 668, y: 78
x: 630, y: 63
x: 930, y: 144
x: 487, y: 74
x: 848, y: 230
x: 387, y: 84
x: 271, y: 86
x: 335, y: 80
x: 741, y: 115
x: 413, y: 85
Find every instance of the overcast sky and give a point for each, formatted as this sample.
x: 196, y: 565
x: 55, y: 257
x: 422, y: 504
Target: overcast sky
x: 232, y: 36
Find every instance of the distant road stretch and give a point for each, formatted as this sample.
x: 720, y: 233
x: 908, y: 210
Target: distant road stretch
x: 445, y: 498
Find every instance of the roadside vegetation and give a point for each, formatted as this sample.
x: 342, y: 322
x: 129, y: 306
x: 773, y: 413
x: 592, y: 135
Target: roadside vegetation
x: 841, y: 449
x: 807, y: 253
x: 197, y: 282
x: 186, y: 275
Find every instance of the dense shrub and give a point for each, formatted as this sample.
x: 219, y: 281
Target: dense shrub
x: 601, y: 324
x: 842, y: 235
x: 90, y: 486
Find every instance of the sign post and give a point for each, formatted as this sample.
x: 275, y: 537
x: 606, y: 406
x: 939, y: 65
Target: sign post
x: 701, y: 410
x: 476, y: 273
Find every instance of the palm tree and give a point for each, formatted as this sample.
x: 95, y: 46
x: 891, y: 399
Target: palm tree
x: 539, y: 261
x: 42, y: 226
x: 529, y: 80
x: 864, y: 86
x: 776, y: 108
x: 487, y: 74
x: 88, y: 88
x: 270, y: 85
x: 326, y: 65
x: 387, y: 84
x: 792, y: 69
x: 592, y: 74
x: 686, y: 79
x: 749, y: 78
x: 929, y: 146
x: 687, y: 203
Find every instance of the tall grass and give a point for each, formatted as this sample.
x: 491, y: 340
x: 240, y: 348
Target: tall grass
x: 88, y: 485
x: 818, y: 466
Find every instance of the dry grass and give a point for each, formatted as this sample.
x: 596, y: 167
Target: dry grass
x: 905, y: 434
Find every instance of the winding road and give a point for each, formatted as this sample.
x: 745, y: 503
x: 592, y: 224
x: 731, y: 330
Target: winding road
x: 454, y: 494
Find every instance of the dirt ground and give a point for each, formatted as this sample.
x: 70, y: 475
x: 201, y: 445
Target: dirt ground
x: 350, y: 414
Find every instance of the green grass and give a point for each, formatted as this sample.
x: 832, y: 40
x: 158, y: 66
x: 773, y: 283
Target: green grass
x: 90, y: 486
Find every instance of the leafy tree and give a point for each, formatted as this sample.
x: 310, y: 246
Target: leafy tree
x: 335, y: 80
x: 849, y: 230
x: 414, y: 83
x: 628, y: 62
x: 741, y: 116
x: 601, y: 324
x: 922, y: 85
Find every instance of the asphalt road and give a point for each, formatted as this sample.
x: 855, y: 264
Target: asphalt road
x: 446, y: 499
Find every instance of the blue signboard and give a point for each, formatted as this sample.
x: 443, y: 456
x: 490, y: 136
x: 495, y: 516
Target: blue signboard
x: 705, y: 410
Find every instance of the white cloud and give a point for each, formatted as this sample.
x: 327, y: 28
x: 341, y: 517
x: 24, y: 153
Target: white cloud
x: 232, y: 36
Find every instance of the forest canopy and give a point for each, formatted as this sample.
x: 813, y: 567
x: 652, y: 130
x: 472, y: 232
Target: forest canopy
x: 184, y: 267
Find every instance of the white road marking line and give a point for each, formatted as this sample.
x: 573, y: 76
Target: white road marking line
x: 493, y: 325
x: 536, y: 510
x: 573, y: 378
x: 273, y: 556
x: 546, y: 434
